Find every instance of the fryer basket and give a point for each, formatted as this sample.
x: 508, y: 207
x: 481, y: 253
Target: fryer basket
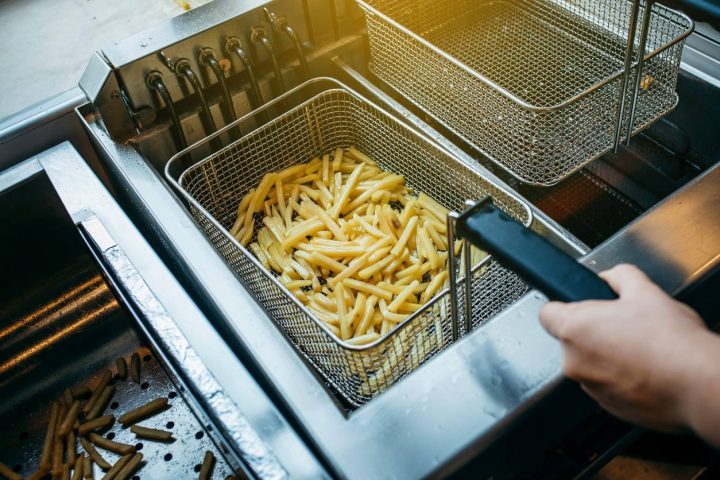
x: 338, y: 117
x: 535, y: 85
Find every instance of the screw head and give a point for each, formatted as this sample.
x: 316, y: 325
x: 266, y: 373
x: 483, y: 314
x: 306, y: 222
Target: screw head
x: 225, y: 64
x: 115, y: 94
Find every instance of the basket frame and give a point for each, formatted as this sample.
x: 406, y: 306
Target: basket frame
x: 503, y: 153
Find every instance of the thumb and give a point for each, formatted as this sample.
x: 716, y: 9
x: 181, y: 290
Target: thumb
x: 553, y: 318
x: 625, y: 279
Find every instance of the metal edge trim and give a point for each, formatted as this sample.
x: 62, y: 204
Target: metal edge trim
x: 254, y: 452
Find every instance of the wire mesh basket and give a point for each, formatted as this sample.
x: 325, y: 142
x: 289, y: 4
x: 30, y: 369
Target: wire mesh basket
x: 338, y: 117
x: 535, y: 85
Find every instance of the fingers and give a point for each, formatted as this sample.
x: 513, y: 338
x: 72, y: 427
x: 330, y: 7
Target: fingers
x: 569, y: 321
x: 625, y: 279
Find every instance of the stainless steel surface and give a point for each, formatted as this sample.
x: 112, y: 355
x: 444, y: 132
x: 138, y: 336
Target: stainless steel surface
x: 675, y: 243
x: 622, y: 91
x: 570, y: 56
x: 239, y: 406
x: 208, y: 26
x: 333, y: 117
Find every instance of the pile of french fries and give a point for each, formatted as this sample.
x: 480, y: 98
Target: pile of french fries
x: 79, y: 417
x: 349, y: 240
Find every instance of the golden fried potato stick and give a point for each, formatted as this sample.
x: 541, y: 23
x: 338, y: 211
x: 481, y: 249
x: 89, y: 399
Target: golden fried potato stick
x: 121, y: 365
x: 207, y: 466
x: 96, y: 424
x: 151, y: 433
x: 147, y: 410
x: 94, y: 454
x: 135, y: 367
x: 104, y: 381
x: 111, y: 446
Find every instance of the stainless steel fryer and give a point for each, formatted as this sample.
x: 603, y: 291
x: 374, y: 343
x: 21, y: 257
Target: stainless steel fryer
x: 338, y: 117
x: 492, y: 404
x: 536, y: 86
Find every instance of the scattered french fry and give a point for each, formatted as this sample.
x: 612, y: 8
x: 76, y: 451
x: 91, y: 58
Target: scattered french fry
x: 87, y: 467
x: 109, y: 445
x: 69, y: 420
x: 130, y: 467
x: 135, y: 367
x: 94, y: 454
x: 101, y: 403
x: 151, y: 433
x: 8, y: 473
x: 95, y: 424
x: 121, y: 368
x: 104, y: 381
x: 78, y: 469
x: 119, y: 465
x: 46, y: 455
x: 147, y: 410
x: 81, y: 392
x: 207, y: 466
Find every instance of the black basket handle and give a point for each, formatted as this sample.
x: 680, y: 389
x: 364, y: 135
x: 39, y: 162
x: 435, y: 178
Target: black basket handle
x: 540, y: 263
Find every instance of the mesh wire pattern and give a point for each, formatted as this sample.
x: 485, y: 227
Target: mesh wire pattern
x: 331, y: 119
x: 553, y: 71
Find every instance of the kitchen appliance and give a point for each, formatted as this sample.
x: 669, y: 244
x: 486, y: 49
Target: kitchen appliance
x: 493, y: 403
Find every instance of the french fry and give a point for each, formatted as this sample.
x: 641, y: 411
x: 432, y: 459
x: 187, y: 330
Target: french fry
x: 81, y: 392
x: 151, y: 433
x: 111, y: 446
x: 147, y: 410
x: 207, y: 466
x: 8, y: 473
x: 135, y: 367
x: 46, y: 454
x: 121, y: 365
x: 95, y: 424
x: 104, y: 381
x: 78, y: 469
x: 129, y: 468
x: 94, y: 454
x: 101, y: 403
x: 115, y: 469
x: 87, y: 466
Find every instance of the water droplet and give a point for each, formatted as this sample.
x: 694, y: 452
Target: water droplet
x: 143, y: 44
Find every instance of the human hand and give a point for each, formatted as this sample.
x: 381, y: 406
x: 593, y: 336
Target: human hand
x: 638, y: 356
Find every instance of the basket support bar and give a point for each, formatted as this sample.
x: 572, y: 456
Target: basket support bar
x: 632, y: 31
x: 452, y: 273
x: 644, y: 32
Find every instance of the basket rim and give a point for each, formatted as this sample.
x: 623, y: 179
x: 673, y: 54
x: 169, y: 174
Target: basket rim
x: 370, y: 10
x: 342, y: 88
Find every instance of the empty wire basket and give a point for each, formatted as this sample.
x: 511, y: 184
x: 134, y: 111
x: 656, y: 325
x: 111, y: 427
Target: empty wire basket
x: 535, y: 85
x: 331, y: 116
